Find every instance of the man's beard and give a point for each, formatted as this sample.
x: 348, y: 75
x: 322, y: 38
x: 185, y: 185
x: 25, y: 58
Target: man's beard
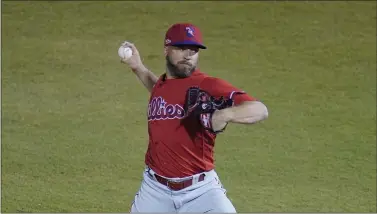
x: 179, y: 72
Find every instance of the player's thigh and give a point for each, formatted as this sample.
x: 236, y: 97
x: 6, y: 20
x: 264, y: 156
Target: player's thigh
x: 150, y: 199
x: 213, y: 201
x: 151, y: 202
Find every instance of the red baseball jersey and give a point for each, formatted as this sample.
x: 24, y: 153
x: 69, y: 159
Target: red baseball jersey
x: 179, y: 146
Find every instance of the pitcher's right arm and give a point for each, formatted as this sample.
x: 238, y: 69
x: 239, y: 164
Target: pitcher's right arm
x: 147, y: 77
x: 134, y: 62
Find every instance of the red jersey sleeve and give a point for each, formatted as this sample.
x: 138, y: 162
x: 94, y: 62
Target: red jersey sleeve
x: 217, y: 87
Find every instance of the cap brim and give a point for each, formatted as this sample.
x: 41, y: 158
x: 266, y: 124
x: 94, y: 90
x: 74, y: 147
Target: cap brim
x: 193, y: 43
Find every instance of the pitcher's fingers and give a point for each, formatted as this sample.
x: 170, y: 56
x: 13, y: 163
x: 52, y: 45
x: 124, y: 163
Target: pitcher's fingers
x: 125, y: 43
x: 133, y: 48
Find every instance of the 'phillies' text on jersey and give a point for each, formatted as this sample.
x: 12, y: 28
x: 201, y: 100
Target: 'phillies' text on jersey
x: 159, y: 109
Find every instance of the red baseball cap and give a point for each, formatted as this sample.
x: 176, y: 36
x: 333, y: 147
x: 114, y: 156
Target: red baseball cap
x: 184, y: 34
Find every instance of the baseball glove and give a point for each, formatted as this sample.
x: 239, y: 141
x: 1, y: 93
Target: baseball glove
x: 201, y: 105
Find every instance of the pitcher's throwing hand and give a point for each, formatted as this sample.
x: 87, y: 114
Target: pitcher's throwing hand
x: 134, y: 62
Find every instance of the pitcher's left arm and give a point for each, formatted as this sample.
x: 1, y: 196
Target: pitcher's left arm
x: 248, y: 112
x: 245, y: 110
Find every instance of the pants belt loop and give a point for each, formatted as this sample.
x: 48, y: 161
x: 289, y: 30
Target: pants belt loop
x: 195, y: 179
x: 151, y: 172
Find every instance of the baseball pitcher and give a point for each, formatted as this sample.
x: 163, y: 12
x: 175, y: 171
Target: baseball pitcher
x: 187, y: 110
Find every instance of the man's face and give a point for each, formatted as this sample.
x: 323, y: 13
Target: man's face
x: 181, y: 60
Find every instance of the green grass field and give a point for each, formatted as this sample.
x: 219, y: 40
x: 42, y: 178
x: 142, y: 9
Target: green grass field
x: 74, y: 118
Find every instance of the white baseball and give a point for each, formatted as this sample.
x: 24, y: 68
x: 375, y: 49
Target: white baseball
x: 124, y: 51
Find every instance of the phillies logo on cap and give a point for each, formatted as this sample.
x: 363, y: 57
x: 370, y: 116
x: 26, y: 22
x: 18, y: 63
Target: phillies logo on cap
x: 189, y: 32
